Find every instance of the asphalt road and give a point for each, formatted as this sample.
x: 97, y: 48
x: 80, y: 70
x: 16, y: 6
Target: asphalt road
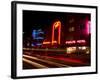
x: 38, y: 61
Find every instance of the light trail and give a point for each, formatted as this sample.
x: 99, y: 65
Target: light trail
x: 45, y: 61
x: 63, y: 50
x: 34, y: 63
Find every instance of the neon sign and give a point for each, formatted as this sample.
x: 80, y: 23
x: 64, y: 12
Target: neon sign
x: 56, y: 25
x: 37, y: 35
x: 77, y: 41
x: 49, y: 42
x: 81, y: 41
x: 70, y: 42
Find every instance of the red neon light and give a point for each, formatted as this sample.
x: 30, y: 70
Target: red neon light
x: 54, y: 41
x: 52, y: 34
x: 48, y: 42
x: 59, y: 32
x: 56, y: 25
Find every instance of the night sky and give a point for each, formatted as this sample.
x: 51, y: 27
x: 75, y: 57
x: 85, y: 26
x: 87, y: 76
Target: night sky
x: 44, y: 20
x: 37, y: 19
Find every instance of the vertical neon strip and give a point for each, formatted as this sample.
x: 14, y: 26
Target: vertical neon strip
x: 52, y: 34
x: 59, y: 32
x: 88, y: 26
x: 56, y: 25
x: 34, y: 34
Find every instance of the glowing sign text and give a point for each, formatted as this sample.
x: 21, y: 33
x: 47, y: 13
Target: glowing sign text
x: 77, y: 41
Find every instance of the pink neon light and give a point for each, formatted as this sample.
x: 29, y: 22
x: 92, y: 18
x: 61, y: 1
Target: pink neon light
x: 88, y: 26
x: 70, y: 42
x: 73, y: 41
x: 81, y: 41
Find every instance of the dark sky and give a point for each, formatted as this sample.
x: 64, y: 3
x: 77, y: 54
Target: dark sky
x: 36, y: 19
x: 44, y: 20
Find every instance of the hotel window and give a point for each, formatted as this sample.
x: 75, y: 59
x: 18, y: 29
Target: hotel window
x: 71, y: 29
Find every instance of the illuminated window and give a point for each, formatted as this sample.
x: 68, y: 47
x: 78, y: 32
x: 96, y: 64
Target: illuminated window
x: 71, y: 20
x: 82, y: 48
x: 70, y: 50
x: 71, y: 29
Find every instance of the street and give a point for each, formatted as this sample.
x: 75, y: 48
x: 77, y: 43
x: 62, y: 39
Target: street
x: 37, y: 61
